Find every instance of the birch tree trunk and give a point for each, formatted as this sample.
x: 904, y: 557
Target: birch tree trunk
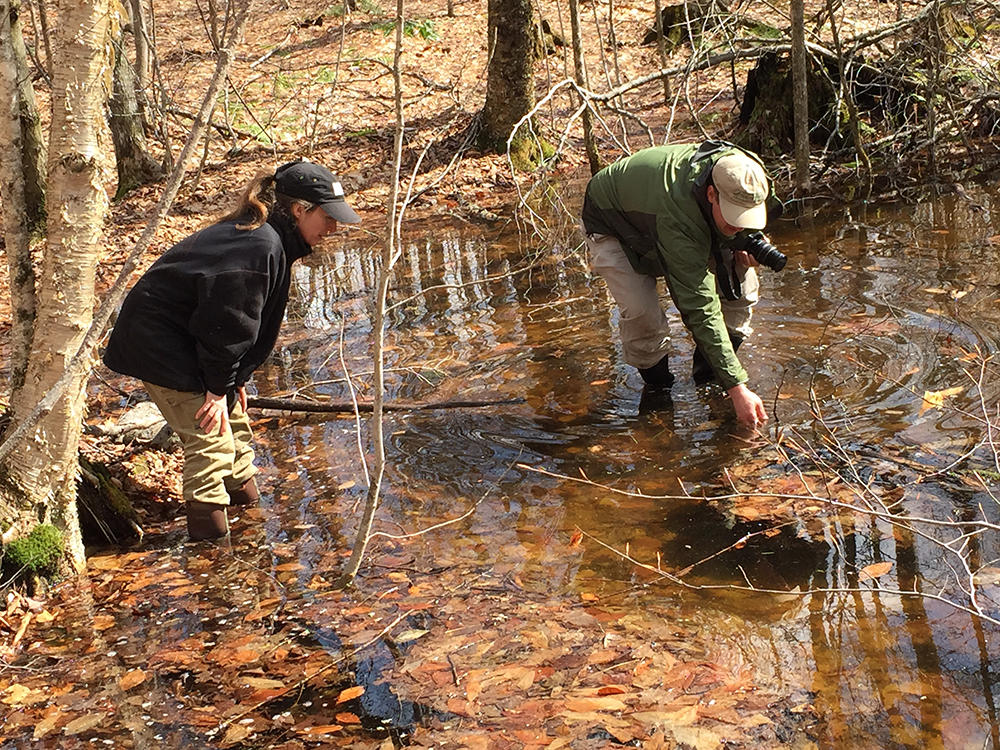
x: 16, y: 225
x: 41, y: 472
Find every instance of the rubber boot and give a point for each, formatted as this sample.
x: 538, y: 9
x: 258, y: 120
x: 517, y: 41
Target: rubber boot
x: 701, y: 371
x: 206, y: 520
x: 246, y: 494
x: 657, y: 376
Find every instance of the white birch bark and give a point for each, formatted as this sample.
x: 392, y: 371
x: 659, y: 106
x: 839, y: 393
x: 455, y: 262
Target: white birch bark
x: 45, y: 466
x: 15, y: 215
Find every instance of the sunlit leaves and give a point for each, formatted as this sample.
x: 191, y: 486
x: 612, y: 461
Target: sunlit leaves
x: 936, y: 399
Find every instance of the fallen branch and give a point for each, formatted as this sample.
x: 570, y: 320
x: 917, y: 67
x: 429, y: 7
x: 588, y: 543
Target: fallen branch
x: 326, y: 407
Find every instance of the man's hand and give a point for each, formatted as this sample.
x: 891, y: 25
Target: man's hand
x: 213, y: 414
x: 748, y: 406
x: 743, y: 259
x: 241, y: 394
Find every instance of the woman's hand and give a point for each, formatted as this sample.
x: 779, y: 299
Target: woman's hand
x: 214, y: 414
x: 748, y: 406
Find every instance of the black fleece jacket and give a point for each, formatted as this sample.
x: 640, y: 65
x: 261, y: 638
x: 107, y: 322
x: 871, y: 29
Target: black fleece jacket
x: 206, y: 314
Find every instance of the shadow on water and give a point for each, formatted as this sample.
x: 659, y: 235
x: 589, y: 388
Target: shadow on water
x: 381, y: 712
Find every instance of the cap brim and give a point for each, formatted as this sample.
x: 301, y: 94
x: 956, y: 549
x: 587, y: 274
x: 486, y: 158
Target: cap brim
x: 340, y: 211
x: 754, y: 217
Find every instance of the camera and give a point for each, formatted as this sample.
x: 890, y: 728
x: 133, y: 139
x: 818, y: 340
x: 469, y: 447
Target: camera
x: 765, y: 253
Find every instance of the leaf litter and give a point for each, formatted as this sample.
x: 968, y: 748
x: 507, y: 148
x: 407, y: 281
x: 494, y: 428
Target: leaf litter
x: 237, y: 659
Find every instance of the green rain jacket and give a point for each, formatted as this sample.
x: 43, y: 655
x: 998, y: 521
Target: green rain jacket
x: 654, y: 202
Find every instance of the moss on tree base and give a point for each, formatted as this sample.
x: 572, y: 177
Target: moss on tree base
x: 36, y: 555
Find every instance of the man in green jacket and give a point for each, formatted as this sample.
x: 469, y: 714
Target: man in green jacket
x: 680, y: 212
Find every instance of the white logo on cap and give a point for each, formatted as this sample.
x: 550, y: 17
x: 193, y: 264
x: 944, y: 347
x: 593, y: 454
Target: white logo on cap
x: 338, y: 189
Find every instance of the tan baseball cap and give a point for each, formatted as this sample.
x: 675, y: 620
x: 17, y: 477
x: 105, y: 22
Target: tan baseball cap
x: 743, y: 189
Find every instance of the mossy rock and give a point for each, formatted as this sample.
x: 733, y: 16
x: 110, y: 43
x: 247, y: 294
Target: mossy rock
x: 35, y: 555
x: 106, y: 513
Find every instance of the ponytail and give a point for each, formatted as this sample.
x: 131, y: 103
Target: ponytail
x: 259, y: 200
x: 255, y: 202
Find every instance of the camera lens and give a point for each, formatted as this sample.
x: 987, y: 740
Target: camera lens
x: 765, y: 253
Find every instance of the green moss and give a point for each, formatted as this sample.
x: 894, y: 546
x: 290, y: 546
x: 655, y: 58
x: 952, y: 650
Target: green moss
x: 764, y: 30
x: 527, y: 153
x: 36, y: 554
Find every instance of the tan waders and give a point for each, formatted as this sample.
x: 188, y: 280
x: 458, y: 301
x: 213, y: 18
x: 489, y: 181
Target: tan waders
x: 218, y: 469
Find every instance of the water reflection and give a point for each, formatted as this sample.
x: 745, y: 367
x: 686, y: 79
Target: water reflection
x: 875, y: 308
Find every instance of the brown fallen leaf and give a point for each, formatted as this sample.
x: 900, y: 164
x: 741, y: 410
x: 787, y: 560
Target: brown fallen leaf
x: 235, y: 733
x: 595, y: 703
x: 132, y: 678
x: 350, y: 693
x: 46, y: 725
x: 83, y: 724
x: 321, y: 729
x: 16, y: 694
x: 874, y: 571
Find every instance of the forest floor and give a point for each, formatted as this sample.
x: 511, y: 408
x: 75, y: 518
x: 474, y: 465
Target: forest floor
x: 516, y: 668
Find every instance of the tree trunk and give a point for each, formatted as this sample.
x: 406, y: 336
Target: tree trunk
x: 16, y: 225
x: 800, y: 97
x: 135, y: 165
x: 41, y: 473
x: 33, y: 143
x: 510, y: 86
x: 137, y: 18
x: 593, y: 158
x: 43, y: 23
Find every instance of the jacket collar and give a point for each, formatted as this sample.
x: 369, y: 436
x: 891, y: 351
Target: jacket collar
x: 291, y: 238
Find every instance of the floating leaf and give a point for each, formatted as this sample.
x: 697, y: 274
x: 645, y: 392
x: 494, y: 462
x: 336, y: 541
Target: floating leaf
x: 874, y: 570
x: 576, y: 539
x: 263, y: 683
x: 235, y: 733
x: 132, y: 678
x: 321, y: 729
x: 17, y: 694
x: 935, y: 399
x: 410, y: 635
x: 351, y: 693
x: 83, y: 724
x: 595, y: 703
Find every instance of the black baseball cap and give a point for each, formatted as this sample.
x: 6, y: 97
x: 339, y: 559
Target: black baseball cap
x: 316, y: 184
